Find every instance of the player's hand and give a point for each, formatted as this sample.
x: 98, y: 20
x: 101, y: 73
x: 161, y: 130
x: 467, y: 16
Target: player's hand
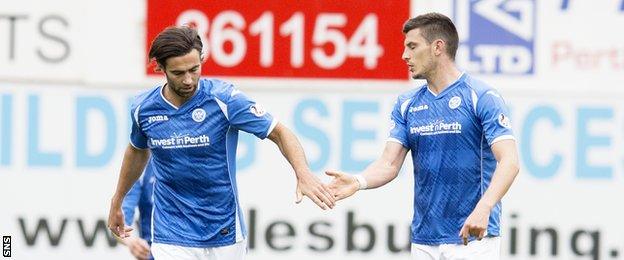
x: 476, y: 224
x: 138, y: 247
x: 342, y: 185
x: 310, y: 186
x: 116, y: 221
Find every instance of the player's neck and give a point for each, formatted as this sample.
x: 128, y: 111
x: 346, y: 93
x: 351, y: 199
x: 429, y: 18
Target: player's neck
x: 442, y: 77
x: 174, y: 98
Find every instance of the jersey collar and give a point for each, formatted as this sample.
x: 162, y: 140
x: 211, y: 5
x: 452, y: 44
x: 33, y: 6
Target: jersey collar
x: 459, y: 79
x: 162, y: 95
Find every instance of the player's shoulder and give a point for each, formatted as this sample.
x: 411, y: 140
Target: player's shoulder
x: 411, y: 94
x: 145, y: 98
x: 406, y: 98
x: 218, y: 88
x: 478, y: 86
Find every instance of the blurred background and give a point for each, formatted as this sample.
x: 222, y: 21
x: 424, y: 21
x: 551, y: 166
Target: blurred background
x: 329, y: 70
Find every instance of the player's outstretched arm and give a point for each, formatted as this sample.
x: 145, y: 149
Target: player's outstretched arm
x: 377, y: 174
x: 506, y: 155
x: 133, y: 163
x: 307, y: 183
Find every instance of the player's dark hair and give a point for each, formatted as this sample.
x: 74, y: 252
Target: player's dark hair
x: 435, y: 26
x: 174, y: 41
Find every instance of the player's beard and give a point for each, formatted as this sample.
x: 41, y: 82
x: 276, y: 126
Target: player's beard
x: 425, y: 70
x: 181, y: 90
x: 418, y: 76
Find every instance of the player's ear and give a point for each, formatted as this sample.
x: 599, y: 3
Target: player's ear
x: 438, y: 47
x: 159, y: 67
x: 155, y: 65
x: 203, y: 58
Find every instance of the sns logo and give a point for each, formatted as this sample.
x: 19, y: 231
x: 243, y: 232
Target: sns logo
x: 496, y: 36
x: 6, y: 246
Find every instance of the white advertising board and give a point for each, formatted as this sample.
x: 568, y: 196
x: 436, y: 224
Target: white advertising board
x: 61, y: 150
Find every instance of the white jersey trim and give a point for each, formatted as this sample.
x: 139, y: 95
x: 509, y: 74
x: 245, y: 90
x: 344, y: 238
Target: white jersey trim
x: 238, y: 228
x: 404, y: 106
x: 272, y: 126
x: 428, y: 89
x: 481, y: 190
x: 223, y: 107
x: 475, y: 100
x: 136, y: 120
x: 133, y: 145
x: 503, y: 137
x: 136, y: 115
x: 455, y: 81
x: 392, y: 139
x: 152, y: 215
x: 162, y: 88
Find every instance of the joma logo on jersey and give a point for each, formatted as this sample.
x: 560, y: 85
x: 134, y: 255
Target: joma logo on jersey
x: 496, y: 36
x: 418, y: 108
x: 156, y: 119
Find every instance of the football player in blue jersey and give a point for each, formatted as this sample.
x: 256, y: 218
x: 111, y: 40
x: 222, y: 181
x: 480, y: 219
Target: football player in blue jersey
x: 462, y: 146
x: 190, y: 127
x: 140, y: 198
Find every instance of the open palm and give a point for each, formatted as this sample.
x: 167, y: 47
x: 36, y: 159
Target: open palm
x: 342, y: 185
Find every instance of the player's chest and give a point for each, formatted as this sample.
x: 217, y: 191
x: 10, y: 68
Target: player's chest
x: 190, y: 125
x: 450, y: 115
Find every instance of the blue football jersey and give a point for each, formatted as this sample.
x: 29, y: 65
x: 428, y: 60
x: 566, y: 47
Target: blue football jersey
x: 194, y: 153
x: 450, y: 135
x: 140, y: 197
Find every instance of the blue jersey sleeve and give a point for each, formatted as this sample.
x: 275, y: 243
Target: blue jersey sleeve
x: 138, y: 138
x: 398, y: 125
x: 130, y: 202
x: 494, y: 116
x: 244, y: 113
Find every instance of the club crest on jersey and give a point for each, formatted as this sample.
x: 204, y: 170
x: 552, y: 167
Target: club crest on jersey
x: 503, y: 120
x: 198, y: 115
x: 454, y: 102
x: 257, y: 110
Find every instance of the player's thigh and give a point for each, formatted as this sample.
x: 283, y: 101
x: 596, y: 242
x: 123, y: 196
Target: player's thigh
x: 486, y: 249
x: 173, y: 252
x: 425, y: 252
x: 236, y: 251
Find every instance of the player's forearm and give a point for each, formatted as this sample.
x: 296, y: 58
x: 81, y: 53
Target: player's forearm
x: 133, y: 163
x: 387, y: 167
x: 504, y: 175
x: 290, y: 147
x: 380, y: 172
